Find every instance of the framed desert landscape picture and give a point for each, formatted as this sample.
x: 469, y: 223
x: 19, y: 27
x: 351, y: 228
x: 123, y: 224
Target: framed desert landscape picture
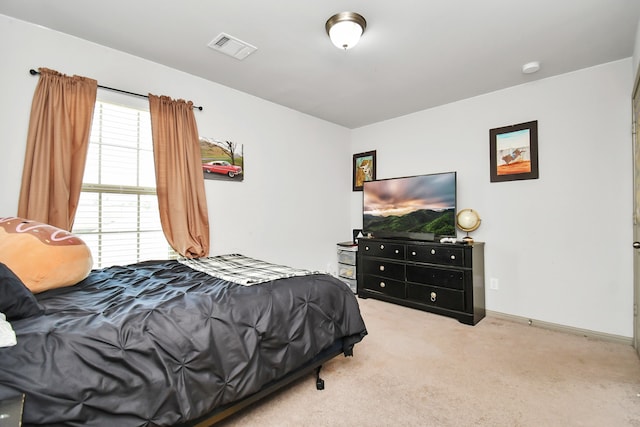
x: 514, y: 152
x: 364, y: 169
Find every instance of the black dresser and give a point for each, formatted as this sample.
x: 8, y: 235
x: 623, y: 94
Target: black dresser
x: 443, y: 278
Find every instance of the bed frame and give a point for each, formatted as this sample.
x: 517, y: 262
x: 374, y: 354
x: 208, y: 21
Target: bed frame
x: 226, y: 411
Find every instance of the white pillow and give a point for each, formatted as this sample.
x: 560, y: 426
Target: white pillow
x: 7, y: 335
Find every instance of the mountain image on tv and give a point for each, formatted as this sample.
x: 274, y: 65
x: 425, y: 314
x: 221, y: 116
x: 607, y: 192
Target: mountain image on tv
x: 439, y: 223
x: 417, y: 204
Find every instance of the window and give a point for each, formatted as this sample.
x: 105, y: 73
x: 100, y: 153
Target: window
x: 118, y: 214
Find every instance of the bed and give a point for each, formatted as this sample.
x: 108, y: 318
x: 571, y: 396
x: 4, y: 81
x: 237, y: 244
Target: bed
x: 174, y: 343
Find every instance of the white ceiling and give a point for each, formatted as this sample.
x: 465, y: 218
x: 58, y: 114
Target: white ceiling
x: 414, y: 54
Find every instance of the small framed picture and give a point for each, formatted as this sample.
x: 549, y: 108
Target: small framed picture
x: 357, y: 233
x: 364, y: 169
x: 514, y: 152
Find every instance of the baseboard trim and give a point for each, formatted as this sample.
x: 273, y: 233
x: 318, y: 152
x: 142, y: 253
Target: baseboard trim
x: 562, y: 328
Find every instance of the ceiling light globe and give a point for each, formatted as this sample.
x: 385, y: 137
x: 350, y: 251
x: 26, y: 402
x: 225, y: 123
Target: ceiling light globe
x: 345, y: 28
x: 345, y: 34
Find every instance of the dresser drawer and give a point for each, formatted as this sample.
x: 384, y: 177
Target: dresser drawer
x: 436, y: 297
x: 383, y: 268
x: 448, y: 278
x: 390, y: 287
x: 436, y: 255
x: 383, y: 250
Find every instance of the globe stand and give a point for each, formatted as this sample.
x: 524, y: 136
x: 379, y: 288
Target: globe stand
x: 468, y: 220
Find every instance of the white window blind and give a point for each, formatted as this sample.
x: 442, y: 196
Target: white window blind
x: 118, y: 214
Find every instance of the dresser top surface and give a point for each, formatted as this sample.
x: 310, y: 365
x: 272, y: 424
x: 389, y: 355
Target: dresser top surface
x: 417, y: 242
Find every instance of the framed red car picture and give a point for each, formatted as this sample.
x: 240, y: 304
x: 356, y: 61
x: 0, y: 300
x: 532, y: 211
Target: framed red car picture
x: 222, y: 160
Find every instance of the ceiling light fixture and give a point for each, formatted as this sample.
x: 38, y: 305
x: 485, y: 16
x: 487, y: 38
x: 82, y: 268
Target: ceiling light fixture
x: 345, y: 28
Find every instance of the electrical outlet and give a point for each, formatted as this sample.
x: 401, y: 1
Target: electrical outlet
x: 494, y: 284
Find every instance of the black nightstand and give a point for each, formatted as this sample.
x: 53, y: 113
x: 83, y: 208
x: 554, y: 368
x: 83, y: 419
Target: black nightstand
x: 347, y: 263
x: 11, y: 411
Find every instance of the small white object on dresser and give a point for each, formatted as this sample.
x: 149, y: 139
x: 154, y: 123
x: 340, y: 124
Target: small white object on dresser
x: 347, y: 264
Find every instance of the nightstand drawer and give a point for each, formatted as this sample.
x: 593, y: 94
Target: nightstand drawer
x: 347, y: 257
x: 392, y: 288
x: 352, y: 284
x: 383, y: 250
x: 436, y: 255
x: 448, y: 278
x: 437, y: 297
x: 347, y: 271
x: 392, y: 270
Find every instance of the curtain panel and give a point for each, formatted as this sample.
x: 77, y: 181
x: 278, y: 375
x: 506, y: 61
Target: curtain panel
x: 179, y: 178
x: 57, y: 144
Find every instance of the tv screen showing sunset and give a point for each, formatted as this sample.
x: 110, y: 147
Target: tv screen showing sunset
x: 418, y: 204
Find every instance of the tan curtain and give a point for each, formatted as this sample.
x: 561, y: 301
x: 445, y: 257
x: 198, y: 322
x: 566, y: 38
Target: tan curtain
x: 57, y: 144
x: 179, y: 178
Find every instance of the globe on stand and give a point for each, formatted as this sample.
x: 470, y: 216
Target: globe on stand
x: 468, y: 220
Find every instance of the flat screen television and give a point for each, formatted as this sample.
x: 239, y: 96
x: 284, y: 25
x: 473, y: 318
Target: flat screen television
x: 416, y: 207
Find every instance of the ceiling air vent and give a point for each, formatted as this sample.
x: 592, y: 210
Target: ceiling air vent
x: 231, y: 46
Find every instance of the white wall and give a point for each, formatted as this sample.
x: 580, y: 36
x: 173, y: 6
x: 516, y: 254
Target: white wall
x: 636, y: 51
x: 290, y: 207
x: 560, y: 245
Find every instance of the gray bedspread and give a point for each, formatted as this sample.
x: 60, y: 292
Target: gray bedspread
x: 158, y: 343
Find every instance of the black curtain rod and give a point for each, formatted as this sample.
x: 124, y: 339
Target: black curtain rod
x: 35, y: 72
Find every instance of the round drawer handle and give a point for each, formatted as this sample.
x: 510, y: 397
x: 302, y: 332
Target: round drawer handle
x: 382, y: 284
x: 381, y: 246
x: 366, y: 248
x: 413, y: 253
x: 433, y: 251
x: 433, y: 296
x: 397, y: 251
x: 382, y: 268
x: 453, y: 257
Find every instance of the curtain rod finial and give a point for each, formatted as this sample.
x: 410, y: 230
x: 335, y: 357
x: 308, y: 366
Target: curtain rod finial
x: 33, y: 72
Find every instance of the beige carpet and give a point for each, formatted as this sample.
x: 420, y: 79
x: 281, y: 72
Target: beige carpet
x: 420, y: 369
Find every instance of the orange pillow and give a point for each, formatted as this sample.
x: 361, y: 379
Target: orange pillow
x: 42, y: 256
